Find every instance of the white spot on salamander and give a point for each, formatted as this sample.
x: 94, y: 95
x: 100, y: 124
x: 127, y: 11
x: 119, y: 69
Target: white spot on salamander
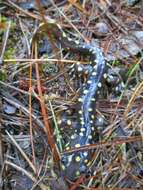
x: 80, y: 100
x: 94, y: 73
x: 77, y: 145
x: 81, y: 134
x: 69, y: 122
x: 79, y: 68
x: 85, y: 153
x: 85, y: 91
x: 90, y: 109
x: 89, y: 81
x: 77, y: 158
x: 80, y: 112
x: 82, y: 129
x: 99, y: 85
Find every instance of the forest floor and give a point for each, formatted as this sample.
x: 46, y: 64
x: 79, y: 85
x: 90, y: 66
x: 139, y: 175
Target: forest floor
x: 41, y: 81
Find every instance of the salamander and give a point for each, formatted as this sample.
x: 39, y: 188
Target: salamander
x: 76, y: 163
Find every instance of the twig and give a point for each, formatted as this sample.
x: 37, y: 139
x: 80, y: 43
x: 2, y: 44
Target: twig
x: 6, y: 34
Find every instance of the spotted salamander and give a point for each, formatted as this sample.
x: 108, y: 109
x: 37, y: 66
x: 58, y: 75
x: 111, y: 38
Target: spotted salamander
x: 76, y: 163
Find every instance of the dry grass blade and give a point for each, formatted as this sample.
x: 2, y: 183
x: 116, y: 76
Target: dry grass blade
x: 43, y: 60
x: 6, y: 34
x: 22, y: 152
x: 135, y: 94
